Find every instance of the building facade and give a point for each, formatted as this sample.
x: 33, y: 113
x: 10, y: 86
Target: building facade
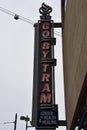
x: 75, y: 58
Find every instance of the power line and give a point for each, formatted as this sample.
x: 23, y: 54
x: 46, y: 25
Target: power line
x: 14, y: 122
x: 3, y: 123
x: 16, y: 17
x: 14, y: 14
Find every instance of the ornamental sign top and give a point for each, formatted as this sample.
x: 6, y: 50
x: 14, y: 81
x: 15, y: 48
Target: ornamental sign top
x: 45, y: 10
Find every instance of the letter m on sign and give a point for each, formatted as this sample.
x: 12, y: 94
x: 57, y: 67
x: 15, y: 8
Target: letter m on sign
x: 45, y: 98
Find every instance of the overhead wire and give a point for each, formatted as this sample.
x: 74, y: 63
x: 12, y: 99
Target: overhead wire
x: 3, y: 123
x: 16, y: 17
x: 14, y: 14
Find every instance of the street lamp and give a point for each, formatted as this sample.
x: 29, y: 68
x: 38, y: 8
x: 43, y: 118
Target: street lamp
x: 25, y: 119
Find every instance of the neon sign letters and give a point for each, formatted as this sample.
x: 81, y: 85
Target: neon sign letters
x: 45, y: 96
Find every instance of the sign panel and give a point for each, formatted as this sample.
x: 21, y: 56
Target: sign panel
x: 47, y: 117
x: 46, y: 86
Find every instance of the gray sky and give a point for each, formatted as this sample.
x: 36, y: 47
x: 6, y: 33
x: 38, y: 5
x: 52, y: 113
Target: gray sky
x: 16, y: 60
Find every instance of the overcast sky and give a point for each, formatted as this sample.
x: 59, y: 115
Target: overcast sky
x: 16, y: 60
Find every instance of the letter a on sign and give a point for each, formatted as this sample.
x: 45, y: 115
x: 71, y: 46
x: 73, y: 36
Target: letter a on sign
x: 46, y: 88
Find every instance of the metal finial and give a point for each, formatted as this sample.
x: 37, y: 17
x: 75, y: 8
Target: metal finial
x: 45, y: 9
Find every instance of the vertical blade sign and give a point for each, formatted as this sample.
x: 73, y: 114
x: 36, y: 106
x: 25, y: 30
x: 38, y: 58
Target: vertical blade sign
x: 44, y: 82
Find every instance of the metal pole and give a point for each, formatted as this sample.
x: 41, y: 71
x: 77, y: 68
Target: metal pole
x: 26, y: 122
x: 62, y: 10
x: 15, y: 122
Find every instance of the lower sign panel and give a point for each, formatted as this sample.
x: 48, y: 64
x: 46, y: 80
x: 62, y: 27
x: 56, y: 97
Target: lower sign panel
x: 47, y: 118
